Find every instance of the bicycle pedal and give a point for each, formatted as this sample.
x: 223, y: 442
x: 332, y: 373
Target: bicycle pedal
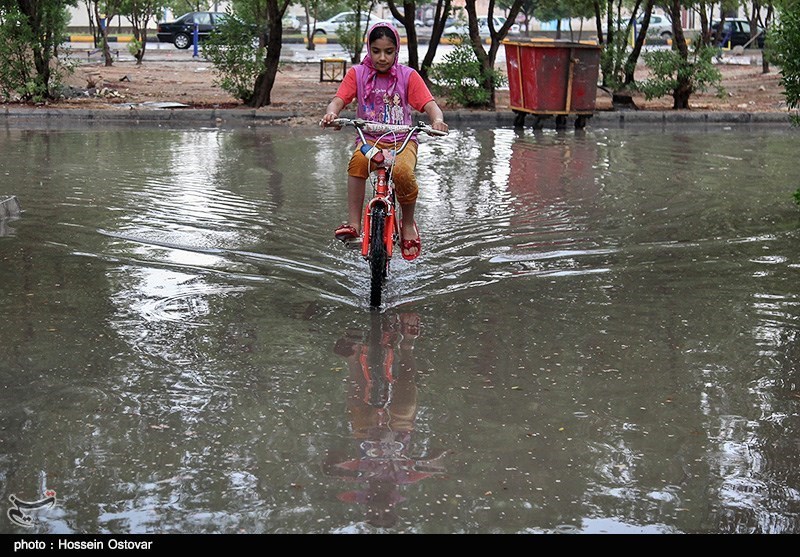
x: 353, y: 243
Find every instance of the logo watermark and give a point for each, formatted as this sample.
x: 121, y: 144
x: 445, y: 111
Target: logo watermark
x: 19, y: 513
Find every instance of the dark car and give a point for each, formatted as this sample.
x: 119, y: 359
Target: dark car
x: 181, y: 31
x: 736, y: 32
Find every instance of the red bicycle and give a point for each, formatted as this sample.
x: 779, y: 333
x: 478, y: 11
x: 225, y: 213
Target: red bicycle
x: 380, y: 224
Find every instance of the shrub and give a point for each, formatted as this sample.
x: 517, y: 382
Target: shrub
x: 668, y: 67
x: 232, y: 50
x: 29, y: 70
x: 460, y: 77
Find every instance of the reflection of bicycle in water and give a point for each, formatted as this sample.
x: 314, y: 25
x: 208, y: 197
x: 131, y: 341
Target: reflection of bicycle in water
x: 382, y: 408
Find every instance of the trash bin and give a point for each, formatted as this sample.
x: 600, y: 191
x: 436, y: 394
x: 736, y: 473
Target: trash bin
x: 552, y: 78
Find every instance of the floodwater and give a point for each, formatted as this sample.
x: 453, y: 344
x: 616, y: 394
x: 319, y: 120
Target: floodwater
x: 601, y: 335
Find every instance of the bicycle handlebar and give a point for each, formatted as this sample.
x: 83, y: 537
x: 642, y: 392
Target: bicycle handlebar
x: 378, y: 127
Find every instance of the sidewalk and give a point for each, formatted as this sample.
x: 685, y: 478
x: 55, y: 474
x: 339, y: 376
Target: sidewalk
x: 163, y: 55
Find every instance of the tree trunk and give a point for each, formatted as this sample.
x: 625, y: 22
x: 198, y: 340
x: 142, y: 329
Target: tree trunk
x: 439, y: 20
x: 487, y: 60
x: 598, y: 21
x: 638, y: 43
x: 767, y: 25
x: 109, y: 60
x: 409, y: 7
x: 266, y: 79
x: 685, y: 87
x: 141, y: 39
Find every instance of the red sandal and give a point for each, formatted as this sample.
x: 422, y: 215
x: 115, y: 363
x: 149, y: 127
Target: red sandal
x: 346, y: 232
x: 406, y: 245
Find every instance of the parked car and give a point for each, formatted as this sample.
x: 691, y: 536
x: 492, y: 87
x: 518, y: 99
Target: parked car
x: 736, y: 32
x: 290, y: 23
x: 462, y: 28
x: 659, y: 26
x: 448, y: 22
x: 332, y: 25
x: 396, y: 23
x: 181, y: 31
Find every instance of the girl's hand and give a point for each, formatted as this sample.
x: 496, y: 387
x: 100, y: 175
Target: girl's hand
x: 439, y: 125
x: 327, y: 119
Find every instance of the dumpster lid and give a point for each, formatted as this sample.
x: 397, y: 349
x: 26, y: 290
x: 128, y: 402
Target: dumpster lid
x: 547, y: 42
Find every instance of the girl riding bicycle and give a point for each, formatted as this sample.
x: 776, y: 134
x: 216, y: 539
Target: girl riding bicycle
x: 385, y: 91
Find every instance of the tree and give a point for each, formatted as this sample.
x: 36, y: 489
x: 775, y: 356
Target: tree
x: 180, y: 7
x: 247, y: 72
x: 785, y: 47
x: 351, y: 35
x: 104, y: 12
x: 31, y: 32
x: 527, y: 10
x: 442, y: 11
x: 407, y: 21
x: 140, y: 12
x: 496, y: 36
x: 311, y: 9
x: 547, y: 10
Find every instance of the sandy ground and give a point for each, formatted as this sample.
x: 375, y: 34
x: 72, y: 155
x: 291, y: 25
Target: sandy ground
x: 298, y: 89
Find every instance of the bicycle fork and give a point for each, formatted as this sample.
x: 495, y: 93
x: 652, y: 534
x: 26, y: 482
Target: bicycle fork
x: 380, y: 196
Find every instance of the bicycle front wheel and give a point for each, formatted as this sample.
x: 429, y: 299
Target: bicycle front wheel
x: 378, y: 256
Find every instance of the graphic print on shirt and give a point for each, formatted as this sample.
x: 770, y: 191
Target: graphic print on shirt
x: 383, y: 107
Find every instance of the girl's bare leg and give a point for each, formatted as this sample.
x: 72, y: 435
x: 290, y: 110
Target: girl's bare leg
x: 355, y: 200
x: 409, y: 232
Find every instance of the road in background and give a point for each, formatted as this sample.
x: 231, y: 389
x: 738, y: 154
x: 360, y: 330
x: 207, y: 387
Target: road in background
x: 290, y: 52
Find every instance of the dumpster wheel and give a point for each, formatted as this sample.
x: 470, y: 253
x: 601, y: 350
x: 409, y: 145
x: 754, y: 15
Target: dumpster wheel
x: 519, y: 118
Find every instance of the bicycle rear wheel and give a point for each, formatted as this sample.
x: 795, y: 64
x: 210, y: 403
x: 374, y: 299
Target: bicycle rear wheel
x: 378, y: 257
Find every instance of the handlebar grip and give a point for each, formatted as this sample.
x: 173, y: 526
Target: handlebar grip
x: 428, y: 129
x: 431, y: 131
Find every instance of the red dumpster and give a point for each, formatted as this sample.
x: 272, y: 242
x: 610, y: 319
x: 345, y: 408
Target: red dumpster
x: 552, y: 78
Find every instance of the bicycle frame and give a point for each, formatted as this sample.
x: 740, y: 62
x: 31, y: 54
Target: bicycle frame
x: 381, y: 164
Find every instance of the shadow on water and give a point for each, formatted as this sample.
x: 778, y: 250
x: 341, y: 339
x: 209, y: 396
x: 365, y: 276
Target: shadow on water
x: 601, y: 334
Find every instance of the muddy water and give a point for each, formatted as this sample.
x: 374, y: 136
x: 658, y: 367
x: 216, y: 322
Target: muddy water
x: 600, y: 336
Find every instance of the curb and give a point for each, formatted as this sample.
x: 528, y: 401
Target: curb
x: 238, y: 117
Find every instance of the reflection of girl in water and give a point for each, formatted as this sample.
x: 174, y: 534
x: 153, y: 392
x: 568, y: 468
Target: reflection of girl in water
x: 382, y: 407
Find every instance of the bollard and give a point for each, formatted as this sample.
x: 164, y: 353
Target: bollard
x: 195, y: 38
x: 9, y: 207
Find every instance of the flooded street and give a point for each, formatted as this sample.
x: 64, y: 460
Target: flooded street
x: 601, y: 335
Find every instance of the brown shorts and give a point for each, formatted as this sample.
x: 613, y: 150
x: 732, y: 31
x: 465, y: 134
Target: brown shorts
x: 405, y: 181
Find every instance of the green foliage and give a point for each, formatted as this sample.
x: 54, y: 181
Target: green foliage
x: 329, y: 8
x: 669, y: 69
x: 29, y: 70
x: 238, y: 60
x: 785, y: 48
x: 134, y: 46
x: 351, y: 39
x: 460, y: 77
x: 614, y: 56
x: 549, y: 10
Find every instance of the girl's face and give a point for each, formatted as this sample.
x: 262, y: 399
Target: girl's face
x: 382, y: 52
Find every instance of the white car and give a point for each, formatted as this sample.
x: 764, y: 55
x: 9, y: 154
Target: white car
x: 462, y: 28
x: 331, y: 26
x: 290, y: 22
x: 660, y: 26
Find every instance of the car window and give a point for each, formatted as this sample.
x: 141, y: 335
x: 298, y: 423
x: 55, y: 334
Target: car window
x: 202, y: 19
